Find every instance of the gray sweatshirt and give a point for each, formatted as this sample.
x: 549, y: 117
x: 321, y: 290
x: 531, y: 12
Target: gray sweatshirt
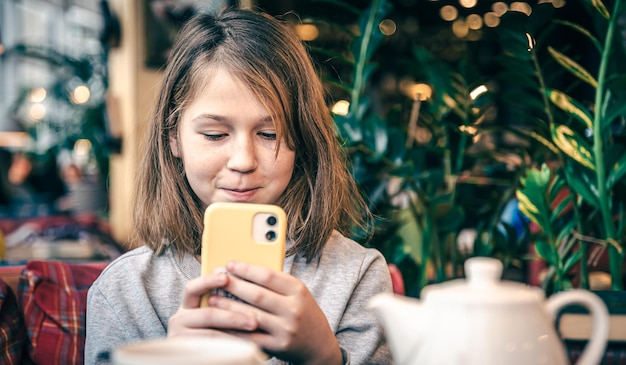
x: 136, y: 294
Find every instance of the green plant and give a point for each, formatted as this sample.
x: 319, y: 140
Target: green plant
x: 411, y: 159
x: 66, y: 120
x: 580, y: 200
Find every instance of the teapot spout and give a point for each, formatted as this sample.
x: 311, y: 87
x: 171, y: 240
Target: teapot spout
x: 400, y: 317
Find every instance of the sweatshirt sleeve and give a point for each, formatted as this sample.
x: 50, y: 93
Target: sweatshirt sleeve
x: 104, y: 331
x: 360, y: 334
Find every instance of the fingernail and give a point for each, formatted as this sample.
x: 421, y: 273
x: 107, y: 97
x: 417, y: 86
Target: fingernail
x: 221, y: 278
x: 213, y: 299
x: 251, y: 324
x: 231, y: 265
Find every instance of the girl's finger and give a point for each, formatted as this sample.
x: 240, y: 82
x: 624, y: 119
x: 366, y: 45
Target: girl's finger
x: 276, y: 281
x: 212, y: 317
x: 202, y: 332
x: 264, y: 320
x: 261, y: 339
x: 256, y: 295
x: 194, y: 289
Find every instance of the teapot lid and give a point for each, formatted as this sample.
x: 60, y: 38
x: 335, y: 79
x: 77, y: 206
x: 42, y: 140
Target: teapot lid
x: 483, y: 285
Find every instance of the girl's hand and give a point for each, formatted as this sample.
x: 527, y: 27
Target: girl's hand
x: 292, y: 326
x: 190, y: 319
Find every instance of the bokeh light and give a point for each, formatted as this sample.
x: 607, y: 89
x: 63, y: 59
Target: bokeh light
x: 415, y: 90
x: 37, y: 111
x: 478, y: 91
x: 307, y: 32
x: 37, y: 95
x: 460, y: 28
x: 491, y: 19
x: 521, y: 7
x: 342, y: 107
x: 82, y: 147
x: 468, y: 3
x: 80, y: 95
x: 474, y: 21
x: 499, y: 8
x: 448, y: 13
x: 531, y: 42
x: 387, y: 27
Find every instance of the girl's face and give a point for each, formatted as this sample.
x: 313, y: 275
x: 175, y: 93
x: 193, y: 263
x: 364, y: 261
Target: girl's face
x: 227, y: 143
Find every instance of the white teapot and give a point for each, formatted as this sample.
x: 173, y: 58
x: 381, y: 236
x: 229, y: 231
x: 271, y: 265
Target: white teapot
x: 485, y: 321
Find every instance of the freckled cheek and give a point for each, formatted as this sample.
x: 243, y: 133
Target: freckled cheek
x: 283, y: 163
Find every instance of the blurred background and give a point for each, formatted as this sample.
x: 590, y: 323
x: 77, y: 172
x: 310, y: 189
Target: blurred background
x: 439, y: 128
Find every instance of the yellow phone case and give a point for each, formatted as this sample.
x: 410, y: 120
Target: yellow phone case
x: 242, y: 232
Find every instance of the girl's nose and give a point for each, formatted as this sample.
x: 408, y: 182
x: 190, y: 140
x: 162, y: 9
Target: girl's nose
x: 242, y: 156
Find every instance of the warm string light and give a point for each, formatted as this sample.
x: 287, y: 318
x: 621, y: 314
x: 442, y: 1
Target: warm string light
x: 387, y: 27
x: 342, y: 107
x: 80, y: 95
x: 307, y: 31
x: 462, y: 26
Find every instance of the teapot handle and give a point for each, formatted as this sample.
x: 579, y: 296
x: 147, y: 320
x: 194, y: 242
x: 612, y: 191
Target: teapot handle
x: 594, y: 349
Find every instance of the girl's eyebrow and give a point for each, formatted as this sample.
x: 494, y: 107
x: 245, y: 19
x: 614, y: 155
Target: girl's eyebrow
x: 267, y: 119
x: 220, y: 118
x: 207, y: 116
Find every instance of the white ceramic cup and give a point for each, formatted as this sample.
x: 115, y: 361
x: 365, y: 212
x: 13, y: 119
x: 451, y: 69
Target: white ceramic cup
x: 189, y: 351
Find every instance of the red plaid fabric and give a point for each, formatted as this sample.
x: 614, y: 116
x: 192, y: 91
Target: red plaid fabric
x: 12, y: 330
x: 53, y: 296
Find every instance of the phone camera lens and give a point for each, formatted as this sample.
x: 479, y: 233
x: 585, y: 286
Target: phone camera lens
x: 270, y: 235
x: 271, y: 220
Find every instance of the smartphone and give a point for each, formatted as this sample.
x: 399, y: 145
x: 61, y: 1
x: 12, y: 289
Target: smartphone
x: 251, y: 233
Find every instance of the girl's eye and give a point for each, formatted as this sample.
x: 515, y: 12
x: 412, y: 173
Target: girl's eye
x: 270, y: 136
x: 215, y: 137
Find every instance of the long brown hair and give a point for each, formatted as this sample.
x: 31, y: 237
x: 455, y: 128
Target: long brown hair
x: 265, y: 54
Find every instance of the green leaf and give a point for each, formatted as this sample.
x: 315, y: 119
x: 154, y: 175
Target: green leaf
x: 349, y: 128
x: 361, y: 108
x: 376, y: 134
x: 531, y: 196
x: 599, y: 6
x: 616, y: 103
x: 412, y: 235
x: 547, y: 252
x: 368, y: 70
x: 573, y: 67
x: 538, y: 138
x: 571, y: 107
x: 555, y: 186
x: 616, y: 172
x: 582, y: 31
x: 564, y: 232
x: 573, y: 259
x: 396, y: 149
x: 572, y: 145
x: 566, y: 283
x: 580, y: 181
x: 363, y: 47
x: 562, y: 206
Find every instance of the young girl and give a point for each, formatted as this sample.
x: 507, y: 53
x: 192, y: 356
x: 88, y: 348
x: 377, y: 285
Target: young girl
x: 242, y: 117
